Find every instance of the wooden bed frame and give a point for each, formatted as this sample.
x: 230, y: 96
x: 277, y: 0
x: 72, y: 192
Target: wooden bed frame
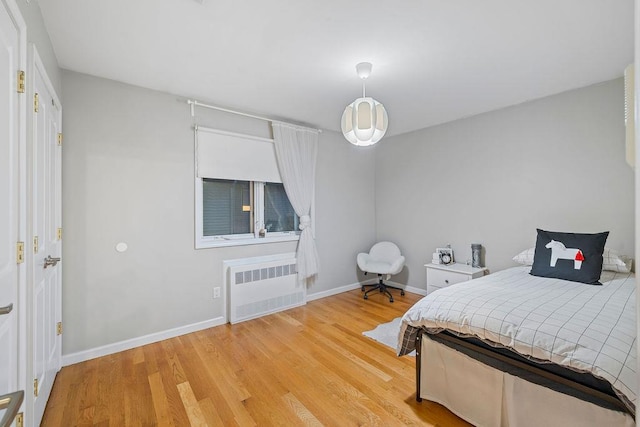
x: 580, y: 391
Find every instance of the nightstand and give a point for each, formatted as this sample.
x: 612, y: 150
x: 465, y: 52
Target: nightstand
x: 440, y: 276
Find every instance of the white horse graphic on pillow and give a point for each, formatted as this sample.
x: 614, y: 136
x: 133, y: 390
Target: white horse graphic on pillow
x: 560, y: 251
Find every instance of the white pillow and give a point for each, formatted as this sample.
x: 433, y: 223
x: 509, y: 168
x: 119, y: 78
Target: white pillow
x: 525, y: 257
x: 611, y: 260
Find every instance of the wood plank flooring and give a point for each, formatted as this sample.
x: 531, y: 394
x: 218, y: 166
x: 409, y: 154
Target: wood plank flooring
x: 308, y: 366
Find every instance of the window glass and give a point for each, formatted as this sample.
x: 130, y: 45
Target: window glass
x: 226, y: 207
x: 278, y: 212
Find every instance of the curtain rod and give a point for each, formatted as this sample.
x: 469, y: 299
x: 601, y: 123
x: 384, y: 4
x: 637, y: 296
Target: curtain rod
x: 193, y: 103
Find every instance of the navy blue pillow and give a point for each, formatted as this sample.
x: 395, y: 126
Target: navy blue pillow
x: 569, y: 256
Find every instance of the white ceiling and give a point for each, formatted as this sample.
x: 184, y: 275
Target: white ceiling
x: 433, y: 60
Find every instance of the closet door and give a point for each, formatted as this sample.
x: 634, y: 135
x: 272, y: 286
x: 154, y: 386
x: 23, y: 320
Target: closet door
x: 45, y: 164
x: 12, y: 195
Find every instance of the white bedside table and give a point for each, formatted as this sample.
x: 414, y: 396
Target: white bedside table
x: 440, y: 276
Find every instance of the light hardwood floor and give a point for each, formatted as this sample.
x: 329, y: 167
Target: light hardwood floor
x: 307, y: 366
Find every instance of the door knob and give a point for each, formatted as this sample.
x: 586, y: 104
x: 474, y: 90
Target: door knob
x: 11, y: 402
x: 6, y: 310
x: 50, y: 261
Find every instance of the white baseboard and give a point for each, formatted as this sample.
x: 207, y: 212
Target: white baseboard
x: 411, y: 289
x: 346, y: 288
x: 336, y: 291
x: 81, y: 356
x: 105, y: 350
x: 414, y: 290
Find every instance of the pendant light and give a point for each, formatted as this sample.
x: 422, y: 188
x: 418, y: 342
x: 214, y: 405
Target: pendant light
x: 364, y: 121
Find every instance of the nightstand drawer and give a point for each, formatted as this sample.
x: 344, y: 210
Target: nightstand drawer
x: 442, y: 279
x: 440, y: 276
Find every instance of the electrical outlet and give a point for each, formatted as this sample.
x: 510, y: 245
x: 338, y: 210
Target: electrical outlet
x: 216, y: 292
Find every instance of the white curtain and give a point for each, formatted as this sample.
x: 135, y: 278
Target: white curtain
x: 296, y: 152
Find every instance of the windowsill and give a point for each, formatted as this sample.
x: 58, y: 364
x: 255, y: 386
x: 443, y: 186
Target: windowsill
x: 218, y: 243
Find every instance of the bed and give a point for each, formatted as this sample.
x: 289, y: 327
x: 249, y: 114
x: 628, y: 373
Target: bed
x: 515, y: 349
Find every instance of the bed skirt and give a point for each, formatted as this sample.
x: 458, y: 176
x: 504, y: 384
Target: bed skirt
x: 492, y: 398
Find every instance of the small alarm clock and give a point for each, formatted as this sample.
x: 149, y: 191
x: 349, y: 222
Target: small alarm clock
x: 446, y: 258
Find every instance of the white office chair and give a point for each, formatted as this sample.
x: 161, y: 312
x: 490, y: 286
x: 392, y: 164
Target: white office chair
x: 383, y: 258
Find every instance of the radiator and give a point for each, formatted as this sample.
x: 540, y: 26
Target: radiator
x: 262, y: 285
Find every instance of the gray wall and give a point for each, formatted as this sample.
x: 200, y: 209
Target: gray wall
x: 128, y: 176
x: 556, y: 163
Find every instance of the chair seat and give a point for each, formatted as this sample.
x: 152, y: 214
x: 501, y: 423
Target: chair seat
x: 383, y: 259
x: 377, y: 267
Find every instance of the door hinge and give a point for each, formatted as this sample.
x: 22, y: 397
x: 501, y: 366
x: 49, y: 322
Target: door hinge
x: 59, y: 328
x: 35, y: 244
x: 21, y: 79
x: 35, y: 387
x: 36, y: 102
x: 59, y: 233
x: 20, y: 419
x: 59, y: 139
x: 20, y: 252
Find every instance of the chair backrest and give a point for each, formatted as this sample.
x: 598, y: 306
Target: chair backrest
x: 385, y: 251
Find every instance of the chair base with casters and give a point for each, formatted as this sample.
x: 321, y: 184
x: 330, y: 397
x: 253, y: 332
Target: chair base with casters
x: 382, y: 287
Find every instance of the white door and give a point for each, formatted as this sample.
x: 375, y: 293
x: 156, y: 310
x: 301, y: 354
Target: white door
x: 46, y: 222
x: 11, y: 196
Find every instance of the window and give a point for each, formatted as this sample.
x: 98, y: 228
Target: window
x: 226, y: 207
x: 278, y: 213
x: 233, y: 212
x: 240, y: 199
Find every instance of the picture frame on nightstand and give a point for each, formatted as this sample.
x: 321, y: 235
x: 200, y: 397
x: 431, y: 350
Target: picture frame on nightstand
x: 445, y: 255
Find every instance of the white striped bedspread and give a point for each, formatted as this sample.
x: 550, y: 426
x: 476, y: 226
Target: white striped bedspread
x: 587, y: 328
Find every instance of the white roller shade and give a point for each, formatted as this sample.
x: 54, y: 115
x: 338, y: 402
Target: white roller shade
x: 227, y: 155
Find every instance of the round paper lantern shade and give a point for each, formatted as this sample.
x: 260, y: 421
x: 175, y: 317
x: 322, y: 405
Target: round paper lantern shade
x: 364, y: 121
